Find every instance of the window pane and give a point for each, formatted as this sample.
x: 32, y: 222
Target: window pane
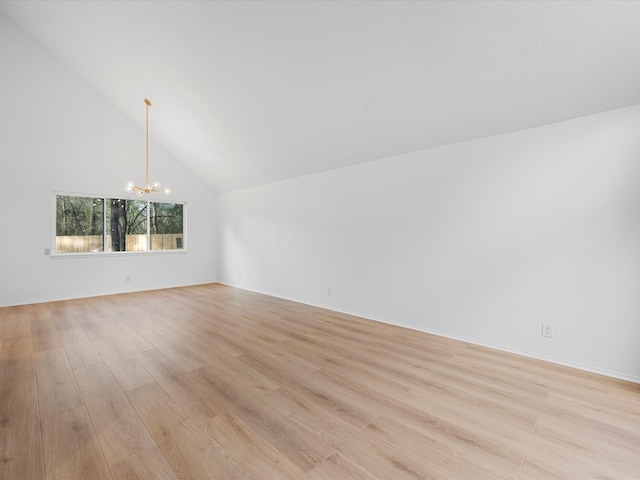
x: 166, y: 225
x: 126, y: 225
x: 79, y: 224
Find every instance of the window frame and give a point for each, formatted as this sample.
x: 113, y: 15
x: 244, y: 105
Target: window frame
x: 104, y: 253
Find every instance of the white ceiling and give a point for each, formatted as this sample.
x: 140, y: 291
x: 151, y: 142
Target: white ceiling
x: 246, y: 93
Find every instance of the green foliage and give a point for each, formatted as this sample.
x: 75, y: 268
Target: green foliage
x: 79, y: 215
x: 135, y: 214
x: 166, y: 218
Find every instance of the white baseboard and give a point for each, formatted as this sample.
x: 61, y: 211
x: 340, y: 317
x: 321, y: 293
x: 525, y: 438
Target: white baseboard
x: 557, y: 361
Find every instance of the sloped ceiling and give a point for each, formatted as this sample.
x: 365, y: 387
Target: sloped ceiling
x: 246, y: 93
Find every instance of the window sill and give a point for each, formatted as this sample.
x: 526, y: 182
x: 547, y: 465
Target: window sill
x: 59, y: 256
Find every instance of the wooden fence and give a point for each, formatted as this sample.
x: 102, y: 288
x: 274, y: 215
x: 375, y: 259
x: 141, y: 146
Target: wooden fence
x: 135, y: 243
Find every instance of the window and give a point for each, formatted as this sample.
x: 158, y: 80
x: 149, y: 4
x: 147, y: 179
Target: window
x: 126, y: 225
x: 99, y: 224
x: 79, y: 224
x: 166, y: 225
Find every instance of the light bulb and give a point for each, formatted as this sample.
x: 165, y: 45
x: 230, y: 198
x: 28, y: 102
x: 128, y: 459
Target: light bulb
x: 129, y: 187
x: 167, y: 190
x: 140, y: 193
x: 156, y: 185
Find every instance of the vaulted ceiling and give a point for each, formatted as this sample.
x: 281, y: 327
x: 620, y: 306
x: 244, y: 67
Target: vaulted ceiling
x: 249, y: 92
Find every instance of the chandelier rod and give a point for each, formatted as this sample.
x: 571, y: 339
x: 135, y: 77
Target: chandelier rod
x: 131, y: 187
x: 146, y: 184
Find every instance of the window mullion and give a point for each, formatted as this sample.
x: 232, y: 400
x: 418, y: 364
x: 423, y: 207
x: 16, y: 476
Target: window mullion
x: 148, y: 226
x: 104, y: 224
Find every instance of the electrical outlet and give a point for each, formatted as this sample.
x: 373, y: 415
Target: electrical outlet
x: 547, y: 330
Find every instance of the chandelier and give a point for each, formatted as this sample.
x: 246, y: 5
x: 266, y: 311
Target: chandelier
x: 148, y: 187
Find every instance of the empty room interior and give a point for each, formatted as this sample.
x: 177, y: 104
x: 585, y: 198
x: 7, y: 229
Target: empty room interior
x: 319, y: 240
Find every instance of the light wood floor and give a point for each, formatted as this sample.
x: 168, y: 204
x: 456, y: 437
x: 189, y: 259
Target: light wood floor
x: 211, y: 382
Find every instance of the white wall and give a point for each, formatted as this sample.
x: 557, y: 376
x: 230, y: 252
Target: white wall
x: 57, y: 135
x: 482, y: 241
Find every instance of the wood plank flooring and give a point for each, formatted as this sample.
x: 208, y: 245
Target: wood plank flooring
x: 215, y: 383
